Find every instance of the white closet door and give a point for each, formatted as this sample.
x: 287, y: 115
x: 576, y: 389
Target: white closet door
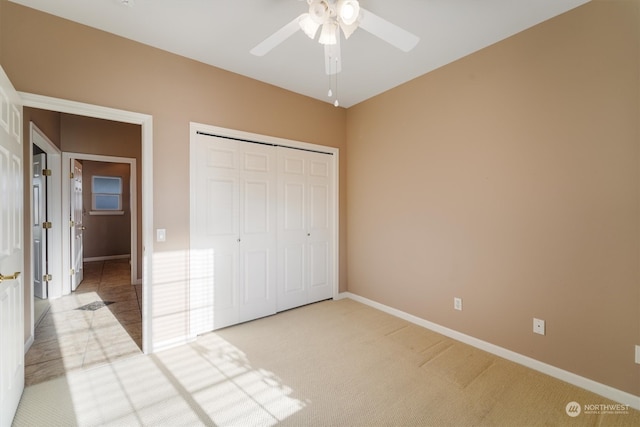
x: 320, y: 202
x: 258, y: 247
x: 215, y: 231
x: 233, y: 233
x: 304, y: 227
x: 292, y: 229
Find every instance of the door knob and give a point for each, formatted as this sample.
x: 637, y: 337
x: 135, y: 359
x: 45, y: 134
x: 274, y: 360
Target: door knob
x: 14, y: 276
x: 83, y: 228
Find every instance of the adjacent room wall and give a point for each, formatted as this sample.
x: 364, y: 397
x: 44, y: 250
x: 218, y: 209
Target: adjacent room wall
x: 106, y: 236
x: 510, y: 178
x: 46, y: 55
x: 47, y: 121
x: 87, y: 135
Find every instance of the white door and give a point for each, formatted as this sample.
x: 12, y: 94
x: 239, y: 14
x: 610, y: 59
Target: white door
x: 292, y: 229
x: 305, y: 228
x: 76, y: 227
x: 233, y: 232
x: 258, y: 244
x: 319, y: 226
x: 11, y: 252
x: 39, y: 206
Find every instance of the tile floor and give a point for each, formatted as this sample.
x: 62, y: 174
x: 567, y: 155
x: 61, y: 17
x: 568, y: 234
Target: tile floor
x: 75, y: 334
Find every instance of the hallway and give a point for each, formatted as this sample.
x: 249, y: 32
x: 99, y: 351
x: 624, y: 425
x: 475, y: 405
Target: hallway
x: 98, y: 323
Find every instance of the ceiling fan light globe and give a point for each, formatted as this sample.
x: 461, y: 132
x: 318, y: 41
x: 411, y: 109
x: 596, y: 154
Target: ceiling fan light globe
x: 329, y: 34
x: 319, y: 11
x: 309, y: 26
x: 347, y: 30
x: 348, y: 11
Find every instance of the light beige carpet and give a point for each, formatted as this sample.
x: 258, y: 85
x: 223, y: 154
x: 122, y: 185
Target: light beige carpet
x: 335, y: 363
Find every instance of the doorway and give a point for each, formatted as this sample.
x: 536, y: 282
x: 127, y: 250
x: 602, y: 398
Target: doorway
x: 63, y: 287
x: 40, y: 233
x: 46, y: 262
x: 97, y: 233
x: 263, y: 226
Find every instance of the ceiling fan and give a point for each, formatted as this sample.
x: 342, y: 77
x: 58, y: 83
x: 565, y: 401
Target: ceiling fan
x: 332, y: 16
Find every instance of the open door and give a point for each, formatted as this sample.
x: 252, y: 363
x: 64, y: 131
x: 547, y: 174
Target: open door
x: 11, y: 252
x: 77, y: 272
x: 40, y: 226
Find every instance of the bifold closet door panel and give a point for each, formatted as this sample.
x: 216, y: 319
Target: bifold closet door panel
x: 320, y: 227
x: 215, y: 229
x: 258, y: 231
x: 292, y: 229
x: 233, y: 233
x: 305, y: 200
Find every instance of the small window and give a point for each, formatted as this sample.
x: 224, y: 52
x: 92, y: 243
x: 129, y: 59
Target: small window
x: 106, y: 193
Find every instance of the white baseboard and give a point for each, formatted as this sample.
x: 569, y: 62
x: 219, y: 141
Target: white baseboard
x: 106, y: 258
x: 28, y: 343
x: 566, y: 376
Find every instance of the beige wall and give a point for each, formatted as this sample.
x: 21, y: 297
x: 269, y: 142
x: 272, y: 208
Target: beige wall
x: 106, y: 235
x: 49, y: 56
x: 47, y: 121
x: 510, y: 178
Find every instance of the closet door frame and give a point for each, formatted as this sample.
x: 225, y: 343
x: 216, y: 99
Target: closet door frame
x: 196, y: 128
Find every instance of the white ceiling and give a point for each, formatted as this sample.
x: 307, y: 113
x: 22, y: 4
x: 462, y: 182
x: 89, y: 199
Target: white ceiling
x: 221, y: 33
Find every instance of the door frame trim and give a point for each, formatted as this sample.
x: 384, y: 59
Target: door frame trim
x: 146, y: 123
x: 54, y: 239
x: 67, y: 158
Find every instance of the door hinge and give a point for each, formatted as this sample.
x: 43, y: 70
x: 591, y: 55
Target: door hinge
x: 47, y: 225
x: 71, y: 175
x: 71, y: 224
x: 46, y: 172
x: 47, y: 278
x: 72, y: 272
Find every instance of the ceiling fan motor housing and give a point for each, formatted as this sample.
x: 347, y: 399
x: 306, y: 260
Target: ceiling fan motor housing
x: 331, y: 15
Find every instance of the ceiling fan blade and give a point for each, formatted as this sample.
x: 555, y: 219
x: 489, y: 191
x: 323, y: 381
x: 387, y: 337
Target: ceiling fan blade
x: 278, y: 37
x: 332, y: 58
x: 391, y: 33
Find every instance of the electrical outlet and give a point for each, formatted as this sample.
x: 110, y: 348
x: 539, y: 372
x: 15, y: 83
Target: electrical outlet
x: 638, y: 354
x: 538, y: 326
x: 457, y: 303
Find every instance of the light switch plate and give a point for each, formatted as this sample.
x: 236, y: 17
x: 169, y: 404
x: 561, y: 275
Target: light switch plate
x: 161, y: 235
